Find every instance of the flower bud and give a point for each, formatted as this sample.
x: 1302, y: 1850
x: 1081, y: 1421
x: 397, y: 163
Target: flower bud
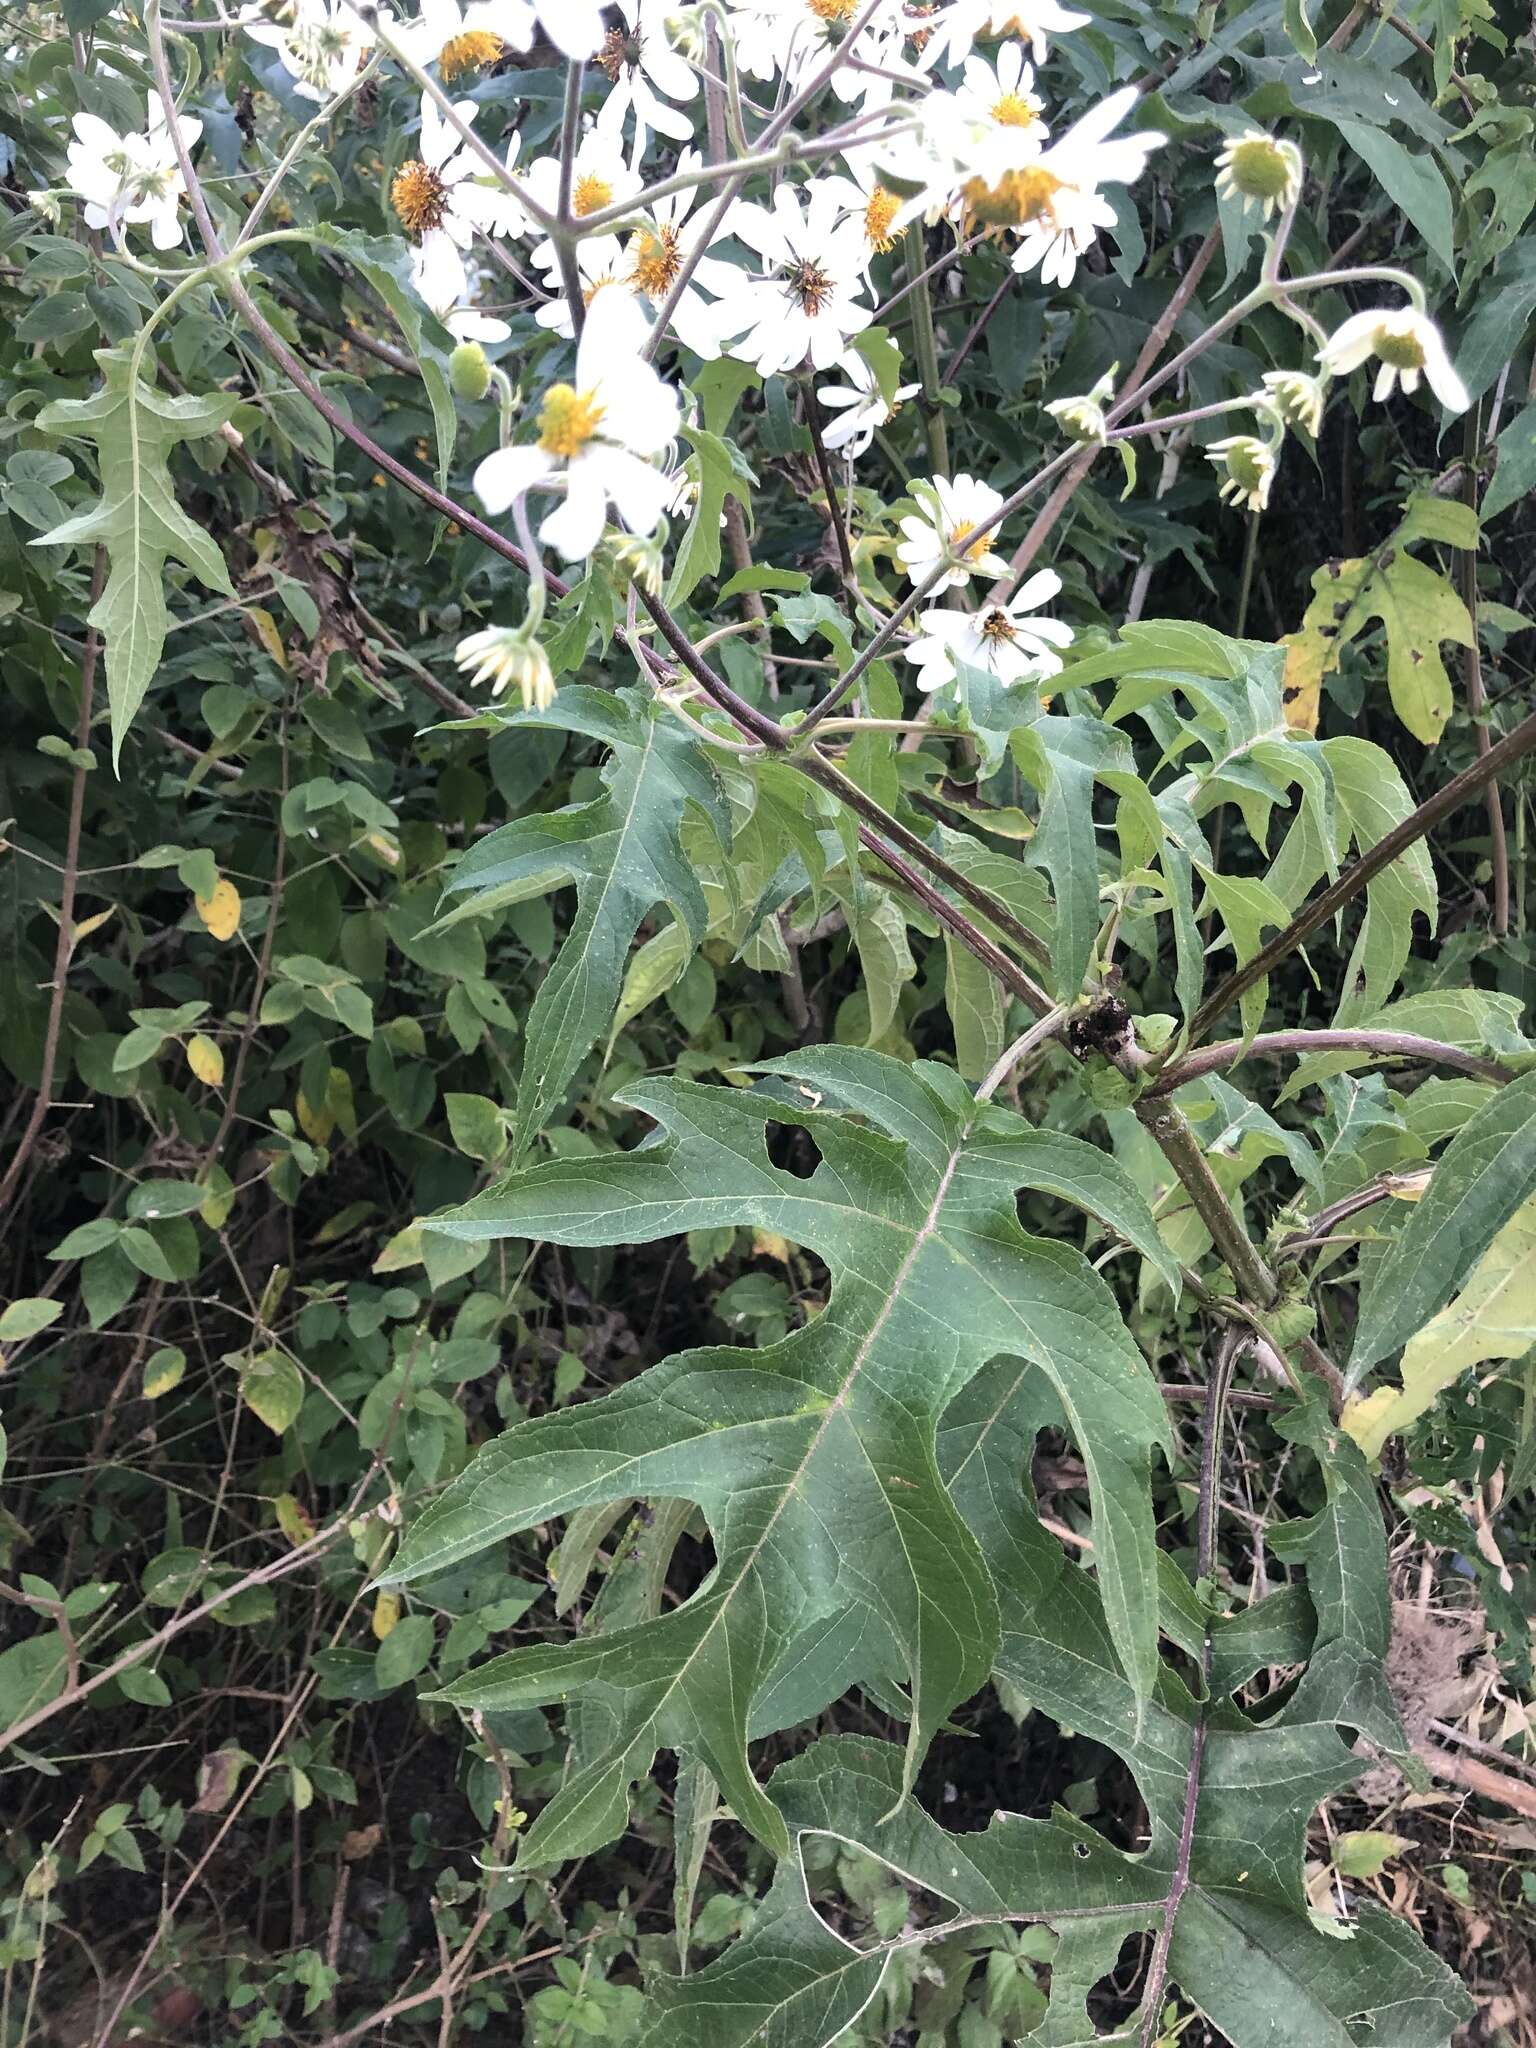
x: 469, y: 372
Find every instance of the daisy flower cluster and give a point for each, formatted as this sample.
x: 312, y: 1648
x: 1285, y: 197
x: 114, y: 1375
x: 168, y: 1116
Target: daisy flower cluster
x: 760, y: 180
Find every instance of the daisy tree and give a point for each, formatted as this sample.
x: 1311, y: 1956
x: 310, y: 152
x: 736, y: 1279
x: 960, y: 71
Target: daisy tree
x: 711, y: 403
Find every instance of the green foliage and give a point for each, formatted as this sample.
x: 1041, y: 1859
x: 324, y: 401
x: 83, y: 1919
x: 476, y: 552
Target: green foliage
x: 675, y: 1381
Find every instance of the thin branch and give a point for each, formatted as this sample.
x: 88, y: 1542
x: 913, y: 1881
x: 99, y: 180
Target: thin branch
x: 1400, y: 1045
x: 64, y: 944
x: 1205, y: 1569
x: 1477, y: 705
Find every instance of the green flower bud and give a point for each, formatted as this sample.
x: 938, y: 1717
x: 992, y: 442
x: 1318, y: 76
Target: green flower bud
x: 469, y: 372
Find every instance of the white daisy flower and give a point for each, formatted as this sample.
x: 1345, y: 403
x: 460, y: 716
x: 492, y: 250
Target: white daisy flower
x: 991, y: 124
x: 1055, y: 201
x: 1248, y: 469
x: 881, y: 212
x: 597, y: 436
x: 791, y: 38
x: 504, y: 655
x: 1408, y: 344
x: 804, y: 302
x: 463, y: 40
x: 647, y: 75
x: 860, y: 405
x: 956, y: 27
x: 441, y: 198
x: 599, y: 267
x: 1261, y: 171
x: 1003, y: 639
x: 600, y: 178
x: 322, y: 48
x: 647, y: 260
x: 131, y: 180
x: 952, y: 508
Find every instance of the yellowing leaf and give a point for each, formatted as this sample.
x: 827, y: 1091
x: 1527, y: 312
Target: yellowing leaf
x: 292, y: 1520
x: 386, y: 1612
x: 220, y: 912
x: 317, y: 1124
x: 165, y: 1369
x: 1494, y: 1316
x: 402, y: 1251
x: 1418, y: 609
x: 205, y: 1060
x: 267, y: 633
x: 1307, y: 661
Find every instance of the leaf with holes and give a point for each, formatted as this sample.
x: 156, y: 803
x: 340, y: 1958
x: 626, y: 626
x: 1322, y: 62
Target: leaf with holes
x: 1227, y: 1901
x: 813, y: 1459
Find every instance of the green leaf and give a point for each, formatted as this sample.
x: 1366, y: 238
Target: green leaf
x: 622, y: 850
x: 405, y: 1652
x: 385, y: 261
x: 720, y: 471
x: 1413, y: 183
x: 1487, y: 1173
x: 136, y: 518
x: 273, y: 1388
x: 1494, y: 1316
x: 812, y: 1459
x: 32, y: 1673
x: 1062, y: 757
x: 23, y: 1319
x: 476, y: 1125
x: 1515, y: 477
x: 1369, y: 798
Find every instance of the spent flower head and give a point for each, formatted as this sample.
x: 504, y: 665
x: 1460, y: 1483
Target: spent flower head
x: 1082, y: 416
x: 1261, y: 170
x: 506, y: 655
x: 1297, y: 398
x: 1247, y: 467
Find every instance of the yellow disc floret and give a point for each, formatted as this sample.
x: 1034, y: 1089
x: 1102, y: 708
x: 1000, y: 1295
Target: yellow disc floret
x: 476, y: 50
x: 881, y: 210
x: 590, y: 194
x: 1016, y: 110
x: 419, y: 197
x: 1017, y: 198
x: 568, y: 419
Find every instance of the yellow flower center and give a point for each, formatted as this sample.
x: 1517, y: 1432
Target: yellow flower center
x: 419, y: 197
x: 476, y: 50
x: 567, y: 420
x: 997, y: 626
x: 1402, y: 351
x: 656, y: 261
x: 1016, y: 199
x: 590, y: 194
x: 808, y: 284
x: 878, y: 214
x: 1015, y: 110
x: 831, y: 10
x: 977, y: 547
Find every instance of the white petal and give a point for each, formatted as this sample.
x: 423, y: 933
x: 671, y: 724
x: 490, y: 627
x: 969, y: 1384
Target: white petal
x: 508, y: 473
x: 576, y: 527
